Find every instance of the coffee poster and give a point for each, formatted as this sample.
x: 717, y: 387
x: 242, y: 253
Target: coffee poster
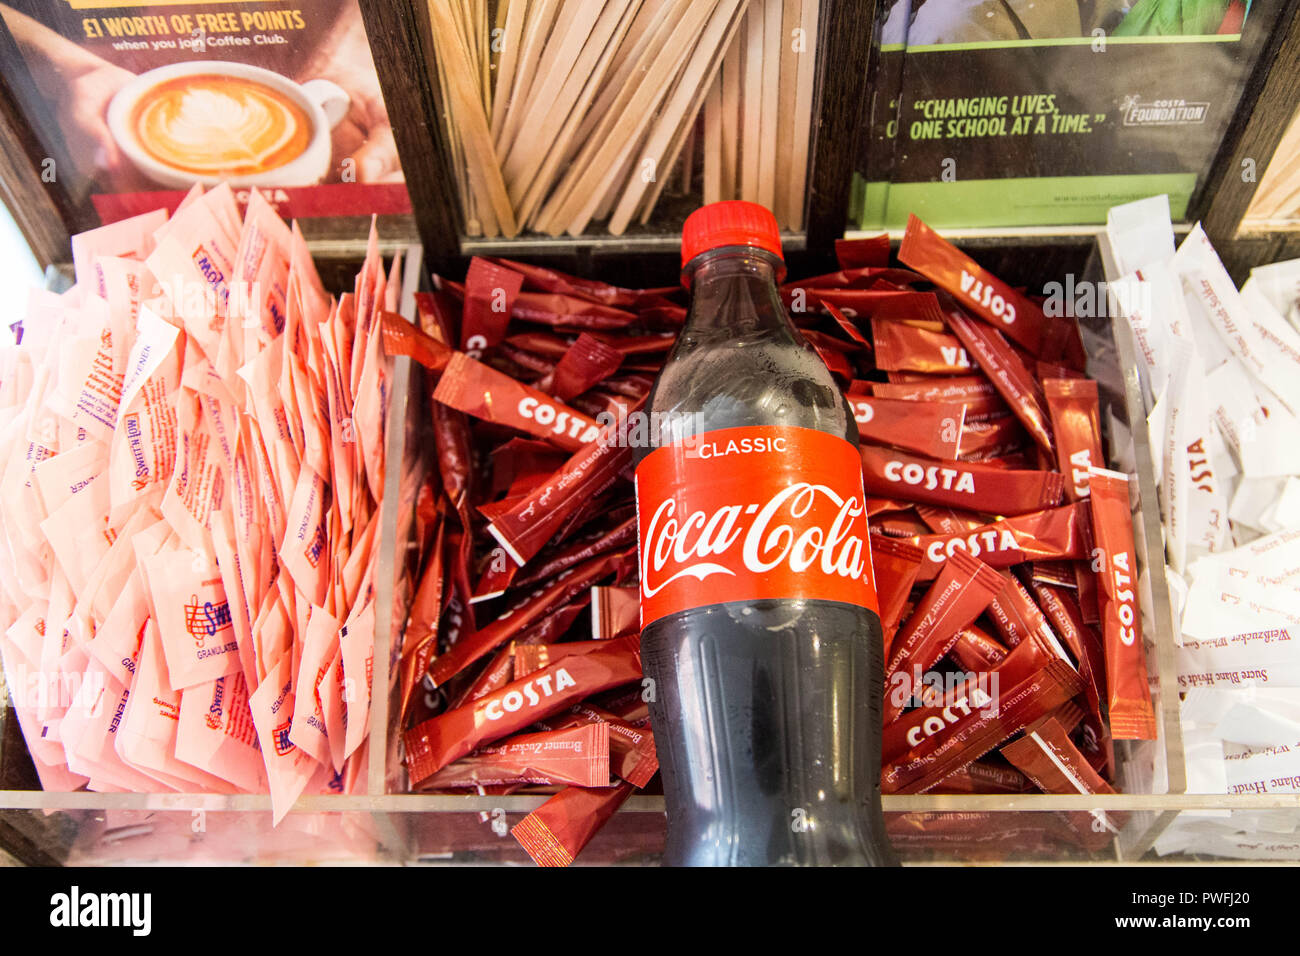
x: 1002, y: 113
x: 133, y: 103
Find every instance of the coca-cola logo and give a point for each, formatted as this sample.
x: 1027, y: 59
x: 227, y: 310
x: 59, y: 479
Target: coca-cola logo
x: 778, y: 531
x: 752, y: 513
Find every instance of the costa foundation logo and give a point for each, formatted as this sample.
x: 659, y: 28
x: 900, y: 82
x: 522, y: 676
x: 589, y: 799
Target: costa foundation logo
x: 1170, y: 112
x: 751, y: 514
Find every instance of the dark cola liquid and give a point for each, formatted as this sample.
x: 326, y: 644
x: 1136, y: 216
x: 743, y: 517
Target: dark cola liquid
x: 766, y: 714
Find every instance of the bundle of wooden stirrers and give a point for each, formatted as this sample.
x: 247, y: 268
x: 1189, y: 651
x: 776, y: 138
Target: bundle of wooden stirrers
x: 561, y: 112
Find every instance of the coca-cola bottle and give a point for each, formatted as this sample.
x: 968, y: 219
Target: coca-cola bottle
x: 760, y: 628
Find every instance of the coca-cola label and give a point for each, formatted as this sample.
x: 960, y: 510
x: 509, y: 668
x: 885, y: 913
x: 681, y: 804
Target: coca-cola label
x: 756, y: 513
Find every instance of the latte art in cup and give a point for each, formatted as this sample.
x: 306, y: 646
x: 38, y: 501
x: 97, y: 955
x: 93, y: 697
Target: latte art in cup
x: 210, y: 124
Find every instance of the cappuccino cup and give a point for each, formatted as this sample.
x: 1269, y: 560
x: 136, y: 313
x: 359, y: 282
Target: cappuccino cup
x: 212, y: 121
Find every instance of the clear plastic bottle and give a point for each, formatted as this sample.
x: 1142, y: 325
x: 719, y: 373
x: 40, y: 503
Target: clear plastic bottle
x: 760, y: 629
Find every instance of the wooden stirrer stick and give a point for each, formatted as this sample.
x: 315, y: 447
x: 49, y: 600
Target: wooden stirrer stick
x: 685, y: 128
x: 510, y: 41
x: 751, y: 119
x: 771, y: 91
x: 712, y: 142
x: 541, y: 15
x: 559, y: 150
x: 467, y: 111
x: 803, y: 106
x: 570, y: 56
x: 785, y: 111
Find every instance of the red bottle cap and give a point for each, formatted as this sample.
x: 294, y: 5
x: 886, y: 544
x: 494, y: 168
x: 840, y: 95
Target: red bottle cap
x: 732, y: 223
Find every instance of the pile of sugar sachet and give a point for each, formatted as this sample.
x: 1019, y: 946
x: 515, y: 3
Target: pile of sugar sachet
x: 191, y: 456
x: 1220, y: 368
